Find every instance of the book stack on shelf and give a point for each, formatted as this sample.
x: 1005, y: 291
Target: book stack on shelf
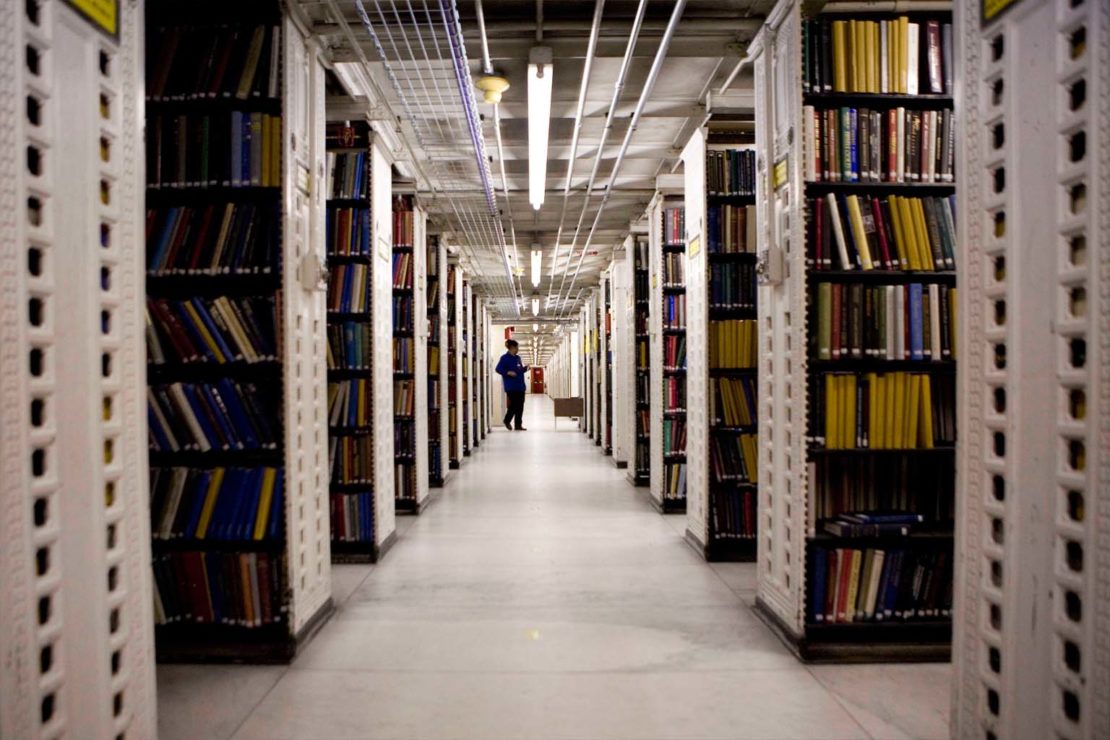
x: 607, y: 321
x: 731, y: 334
x: 215, y: 334
x: 673, y: 277
x: 465, y: 300
x: 879, y: 176
x: 404, y: 355
x: 475, y: 392
x: 350, y: 343
x: 435, y: 368
x: 641, y: 297
x: 453, y: 450
x: 598, y: 386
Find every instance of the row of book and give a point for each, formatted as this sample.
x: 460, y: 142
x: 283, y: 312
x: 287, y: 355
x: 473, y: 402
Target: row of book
x: 641, y: 258
x: 863, y: 145
x: 674, y: 352
x: 350, y: 345
x: 348, y: 232
x: 433, y: 361
x: 731, y: 229
x: 643, y: 387
x: 351, y: 403
x: 219, y: 149
x: 402, y: 271
x: 925, y: 485
x: 674, y: 312
x: 203, y: 63
x: 733, y: 512
x: 878, y: 524
x: 404, y: 482
x: 404, y: 355
x: 870, y: 233
x: 674, y: 394
x: 352, y: 517
x: 674, y: 481
x: 674, y: 437
x: 874, y: 585
x: 884, y: 411
x: 351, y: 459
x: 217, y: 330
x: 732, y: 286
x: 642, y: 464
x: 888, y: 322
x: 347, y: 176
x: 433, y: 402
x: 730, y: 172
x: 404, y: 440
x: 732, y: 402
x: 674, y: 270
x: 642, y: 354
x: 432, y: 305
x: 403, y: 319
x: 734, y: 457
x: 435, y: 459
x: 403, y: 221
x: 216, y: 503
x: 732, y: 344
x: 236, y: 589
x: 893, y: 56
x: 404, y: 397
x: 223, y: 239
x: 224, y: 415
x: 674, y: 226
x: 349, y: 289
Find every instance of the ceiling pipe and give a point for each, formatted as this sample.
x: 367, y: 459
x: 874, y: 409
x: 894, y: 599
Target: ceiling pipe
x: 744, y: 62
x: 539, y: 21
x: 618, y: 88
x: 656, y: 66
x: 599, y: 9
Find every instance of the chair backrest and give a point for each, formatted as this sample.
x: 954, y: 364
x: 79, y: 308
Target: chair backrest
x: 570, y: 406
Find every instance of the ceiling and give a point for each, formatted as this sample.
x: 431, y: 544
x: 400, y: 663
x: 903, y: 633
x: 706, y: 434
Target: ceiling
x: 397, y: 62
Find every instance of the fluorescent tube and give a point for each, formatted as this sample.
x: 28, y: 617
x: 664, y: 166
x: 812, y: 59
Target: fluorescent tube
x: 539, y: 118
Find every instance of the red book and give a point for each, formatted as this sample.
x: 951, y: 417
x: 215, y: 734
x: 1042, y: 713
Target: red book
x: 880, y: 229
x: 202, y: 236
x: 845, y: 577
x: 267, y: 615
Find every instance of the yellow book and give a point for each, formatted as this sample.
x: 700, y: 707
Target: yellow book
x: 914, y: 403
x: 266, y: 498
x: 849, y: 614
x: 849, y: 414
x: 855, y: 220
x: 925, y: 415
x: 890, y: 414
x: 840, y: 56
x: 859, y: 42
x: 209, y: 502
x: 869, y: 46
x: 922, y: 233
x: 876, y: 53
x: 204, y: 333
x: 267, y: 135
x: 831, y: 415
x: 910, y: 234
x: 896, y: 412
x: 873, y: 434
x: 275, y: 141
x: 246, y: 592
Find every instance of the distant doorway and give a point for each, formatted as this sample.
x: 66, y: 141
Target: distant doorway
x: 537, y: 380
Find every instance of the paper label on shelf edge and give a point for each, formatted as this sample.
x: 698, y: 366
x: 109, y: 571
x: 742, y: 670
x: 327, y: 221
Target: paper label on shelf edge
x: 694, y: 247
x: 778, y: 178
x: 101, y: 14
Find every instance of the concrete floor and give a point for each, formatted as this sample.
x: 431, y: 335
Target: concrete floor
x: 541, y: 596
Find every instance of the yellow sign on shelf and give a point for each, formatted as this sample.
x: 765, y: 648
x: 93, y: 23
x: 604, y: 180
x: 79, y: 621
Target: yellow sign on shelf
x: 694, y: 248
x: 102, y: 14
x: 779, y: 176
x: 994, y: 8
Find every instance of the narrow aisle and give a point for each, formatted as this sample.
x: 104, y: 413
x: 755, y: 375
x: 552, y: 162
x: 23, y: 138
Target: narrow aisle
x: 542, y: 596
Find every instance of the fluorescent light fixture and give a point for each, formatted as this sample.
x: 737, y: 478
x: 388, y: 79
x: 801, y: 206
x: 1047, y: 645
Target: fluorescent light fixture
x: 539, y: 118
x: 535, y: 306
x: 537, y: 260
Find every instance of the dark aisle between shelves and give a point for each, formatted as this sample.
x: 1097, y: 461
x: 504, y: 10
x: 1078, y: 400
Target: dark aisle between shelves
x: 543, y: 596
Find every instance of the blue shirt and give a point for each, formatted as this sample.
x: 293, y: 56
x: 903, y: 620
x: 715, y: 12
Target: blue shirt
x: 511, y: 363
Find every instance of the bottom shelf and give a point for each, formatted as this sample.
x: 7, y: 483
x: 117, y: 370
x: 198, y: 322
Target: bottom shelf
x: 410, y: 506
x: 864, y: 642
x: 346, y: 551
x: 670, y: 505
x: 731, y: 550
x: 639, y: 480
x: 213, y: 643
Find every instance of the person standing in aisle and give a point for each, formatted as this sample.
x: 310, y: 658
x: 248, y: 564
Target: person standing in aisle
x: 512, y: 369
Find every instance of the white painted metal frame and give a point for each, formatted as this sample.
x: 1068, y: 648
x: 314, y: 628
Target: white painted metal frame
x: 441, y: 310
x: 381, y: 219
x: 655, y: 343
x: 420, y: 340
x: 622, y: 345
x: 77, y: 643
x: 1032, y: 656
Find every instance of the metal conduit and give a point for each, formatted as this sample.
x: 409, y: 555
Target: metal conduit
x: 656, y: 66
x: 618, y: 88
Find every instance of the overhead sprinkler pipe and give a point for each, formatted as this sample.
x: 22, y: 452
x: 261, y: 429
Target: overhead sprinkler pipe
x: 599, y: 9
x: 649, y: 84
x: 618, y: 88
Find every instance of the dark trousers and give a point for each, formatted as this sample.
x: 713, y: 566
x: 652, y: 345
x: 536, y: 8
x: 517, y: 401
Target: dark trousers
x: 516, y: 408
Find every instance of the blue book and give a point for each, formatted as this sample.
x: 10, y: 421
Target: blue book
x: 890, y: 601
x: 213, y: 329
x: 250, y: 511
x: 161, y: 441
x: 245, y: 156
x: 917, y: 349
x: 712, y: 217
x: 165, y: 239
x: 216, y: 525
x: 820, y: 575
x: 220, y: 417
x: 200, y: 412
x: 237, y: 413
x: 199, y: 493
x: 853, y: 139
x: 364, y: 231
x: 882, y: 517
x: 277, y: 507
x: 348, y: 284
